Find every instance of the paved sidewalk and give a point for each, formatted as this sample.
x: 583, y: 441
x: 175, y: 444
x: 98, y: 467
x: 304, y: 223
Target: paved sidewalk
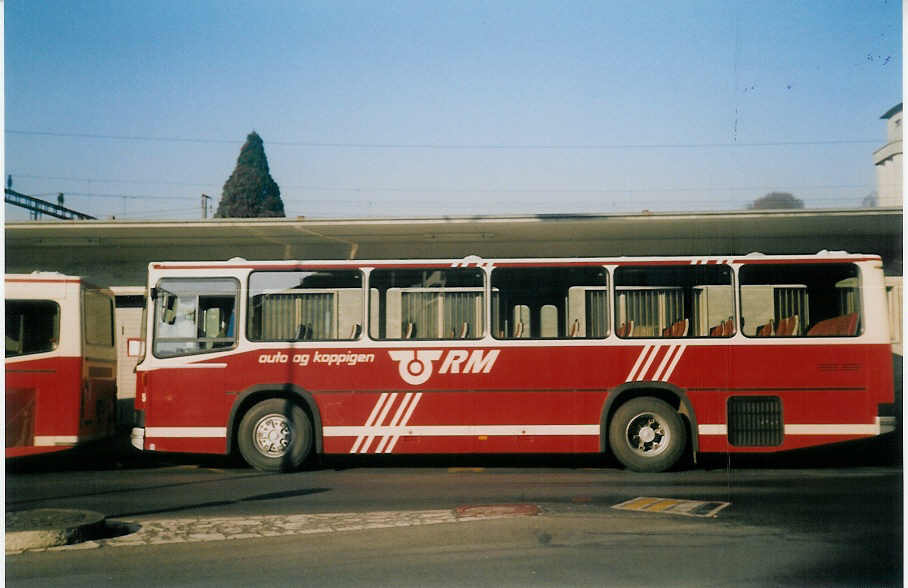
x: 150, y: 531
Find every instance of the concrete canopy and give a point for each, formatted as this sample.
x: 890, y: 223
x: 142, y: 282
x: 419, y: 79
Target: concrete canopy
x: 117, y: 252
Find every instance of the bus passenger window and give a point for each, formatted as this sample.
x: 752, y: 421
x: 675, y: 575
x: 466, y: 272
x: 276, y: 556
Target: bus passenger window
x: 674, y: 301
x: 427, y: 304
x: 800, y: 300
x: 550, y: 302
x: 300, y: 305
x: 32, y: 326
x: 194, y: 315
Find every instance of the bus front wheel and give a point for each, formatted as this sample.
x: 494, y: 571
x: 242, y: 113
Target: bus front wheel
x: 275, y: 436
x: 647, y: 435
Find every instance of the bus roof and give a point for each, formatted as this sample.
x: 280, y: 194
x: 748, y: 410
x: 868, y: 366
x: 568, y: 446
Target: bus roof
x: 475, y: 261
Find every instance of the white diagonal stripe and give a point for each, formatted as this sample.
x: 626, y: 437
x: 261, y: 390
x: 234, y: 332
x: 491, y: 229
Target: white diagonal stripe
x: 640, y: 356
x: 671, y: 367
x: 381, y: 418
x: 641, y: 375
x: 664, y: 361
x: 395, y: 420
x: 370, y: 420
x: 404, y: 422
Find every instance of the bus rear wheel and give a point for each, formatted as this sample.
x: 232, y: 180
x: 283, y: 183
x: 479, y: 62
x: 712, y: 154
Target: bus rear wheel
x: 275, y: 435
x: 647, y: 435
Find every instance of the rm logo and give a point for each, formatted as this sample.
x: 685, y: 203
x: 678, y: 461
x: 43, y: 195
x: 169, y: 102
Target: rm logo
x: 415, y: 367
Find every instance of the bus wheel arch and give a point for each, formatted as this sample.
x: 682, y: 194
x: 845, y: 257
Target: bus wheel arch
x: 282, y: 401
x: 637, y: 393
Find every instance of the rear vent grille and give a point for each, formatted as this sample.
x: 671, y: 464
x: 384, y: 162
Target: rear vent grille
x: 755, y: 421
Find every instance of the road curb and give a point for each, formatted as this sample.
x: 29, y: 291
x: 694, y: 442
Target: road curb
x: 49, y: 527
x: 61, y: 528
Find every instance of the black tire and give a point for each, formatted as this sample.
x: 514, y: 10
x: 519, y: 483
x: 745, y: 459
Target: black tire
x: 647, y: 435
x: 275, y: 435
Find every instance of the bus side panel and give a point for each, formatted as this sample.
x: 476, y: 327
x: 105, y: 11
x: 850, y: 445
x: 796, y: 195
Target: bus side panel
x: 49, y: 393
x: 188, y: 411
x: 827, y: 393
x: 20, y: 416
x: 480, y: 387
x: 485, y: 421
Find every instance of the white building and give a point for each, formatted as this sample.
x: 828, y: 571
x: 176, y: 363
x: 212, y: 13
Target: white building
x: 888, y: 160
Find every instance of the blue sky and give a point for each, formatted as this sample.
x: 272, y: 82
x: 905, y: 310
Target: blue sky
x: 134, y: 109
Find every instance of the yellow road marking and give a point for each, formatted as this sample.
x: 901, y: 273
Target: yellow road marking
x: 691, y: 508
x: 638, y: 503
x: 661, y: 505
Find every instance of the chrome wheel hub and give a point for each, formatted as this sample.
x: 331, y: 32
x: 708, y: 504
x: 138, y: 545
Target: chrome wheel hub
x: 646, y: 435
x: 273, y: 435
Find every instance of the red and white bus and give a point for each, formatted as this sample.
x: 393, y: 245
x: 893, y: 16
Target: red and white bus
x: 60, y: 363
x: 649, y: 358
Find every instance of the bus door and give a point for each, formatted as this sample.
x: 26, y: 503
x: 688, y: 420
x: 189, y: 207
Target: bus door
x: 99, y: 383
x: 193, y: 317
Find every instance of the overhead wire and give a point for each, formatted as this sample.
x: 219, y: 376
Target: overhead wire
x: 451, y: 146
x: 442, y: 189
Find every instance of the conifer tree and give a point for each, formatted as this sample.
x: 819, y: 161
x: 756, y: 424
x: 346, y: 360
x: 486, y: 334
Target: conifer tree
x: 250, y: 190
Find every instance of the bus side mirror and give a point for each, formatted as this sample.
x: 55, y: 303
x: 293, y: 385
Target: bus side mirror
x: 135, y: 347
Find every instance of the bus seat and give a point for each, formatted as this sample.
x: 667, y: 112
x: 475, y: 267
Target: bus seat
x: 356, y: 331
x: 626, y: 329
x: 765, y: 330
x: 575, y: 328
x: 787, y: 326
x: 839, y: 326
x: 724, y: 329
x: 411, y: 330
x: 678, y: 329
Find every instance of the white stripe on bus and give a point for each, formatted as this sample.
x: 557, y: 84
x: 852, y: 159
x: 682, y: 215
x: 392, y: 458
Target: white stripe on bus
x: 459, y: 430
x: 881, y: 425
x: 664, y: 361
x: 405, y: 420
x: 671, y: 366
x: 380, y: 420
x: 640, y: 356
x: 641, y: 375
x: 370, y: 420
x: 805, y: 429
x: 51, y: 440
x: 158, y: 432
x: 381, y: 417
x: 858, y: 429
x: 665, y: 367
x: 394, y: 421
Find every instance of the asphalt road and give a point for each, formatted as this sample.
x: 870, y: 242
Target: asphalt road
x: 832, y: 517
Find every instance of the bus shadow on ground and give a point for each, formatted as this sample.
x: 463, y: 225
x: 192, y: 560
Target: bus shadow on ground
x: 115, y: 453
x: 882, y: 451
x: 118, y: 454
